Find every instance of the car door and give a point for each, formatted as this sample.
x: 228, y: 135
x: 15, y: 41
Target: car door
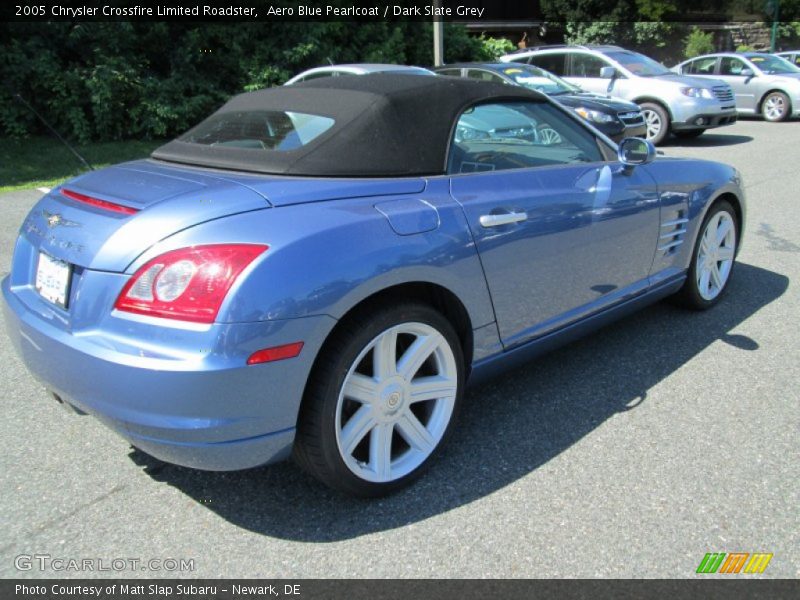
x: 744, y: 87
x: 701, y: 67
x: 561, y: 231
x: 553, y: 62
x: 584, y: 70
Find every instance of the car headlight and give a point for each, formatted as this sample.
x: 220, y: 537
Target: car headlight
x: 464, y: 134
x: 595, y: 116
x: 697, y: 92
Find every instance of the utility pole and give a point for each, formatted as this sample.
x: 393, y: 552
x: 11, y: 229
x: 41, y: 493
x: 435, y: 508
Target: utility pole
x: 438, y: 35
x: 774, y: 10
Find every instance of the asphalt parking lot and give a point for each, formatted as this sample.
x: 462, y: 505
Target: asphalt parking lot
x: 631, y: 453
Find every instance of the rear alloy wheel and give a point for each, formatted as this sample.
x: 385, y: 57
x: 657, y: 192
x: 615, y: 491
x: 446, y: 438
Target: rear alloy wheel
x: 689, y: 134
x: 381, y: 401
x: 657, y: 121
x: 713, y: 258
x: 775, y: 107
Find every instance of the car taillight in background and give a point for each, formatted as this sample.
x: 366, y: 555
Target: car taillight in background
x: 188, y: 284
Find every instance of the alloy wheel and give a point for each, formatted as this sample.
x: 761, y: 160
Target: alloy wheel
x: 715, y: 255
x: 654, y: 123
x: 549, y: 136
x: 396, y: 402
x: 775, y: 107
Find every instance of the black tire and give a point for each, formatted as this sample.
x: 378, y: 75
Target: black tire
x: 660, y: 114
x: 320, y: 422
x: 690, y: 294
x: 689, y: 134
x: 776, y: 107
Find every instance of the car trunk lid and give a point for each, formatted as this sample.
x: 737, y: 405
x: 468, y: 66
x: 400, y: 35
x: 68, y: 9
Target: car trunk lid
x: 104, y: 219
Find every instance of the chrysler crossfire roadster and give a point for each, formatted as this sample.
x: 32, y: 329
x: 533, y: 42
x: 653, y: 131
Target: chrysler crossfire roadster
x: 319, y: 270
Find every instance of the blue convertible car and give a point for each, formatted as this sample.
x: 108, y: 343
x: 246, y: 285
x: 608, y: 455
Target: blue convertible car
x: 320, y: 269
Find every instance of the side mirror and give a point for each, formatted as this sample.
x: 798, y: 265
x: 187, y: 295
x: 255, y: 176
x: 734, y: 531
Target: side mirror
x: 747, y: 73
x: 635, y: 151
x: 608, y: 72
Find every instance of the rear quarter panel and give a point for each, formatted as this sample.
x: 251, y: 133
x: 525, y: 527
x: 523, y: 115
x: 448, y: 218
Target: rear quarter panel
x: 326, y: 257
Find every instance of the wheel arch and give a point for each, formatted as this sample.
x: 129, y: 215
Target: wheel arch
x: 654, y: 100
x: 736, y: 203
x: 738, y: 208
x: 425, y: 292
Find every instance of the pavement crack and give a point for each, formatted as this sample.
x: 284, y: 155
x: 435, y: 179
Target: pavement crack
x: 42, y: 527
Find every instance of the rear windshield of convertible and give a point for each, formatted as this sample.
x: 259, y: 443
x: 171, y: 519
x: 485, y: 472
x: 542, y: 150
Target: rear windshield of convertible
x: 259, y: 130
x: 379, y: 125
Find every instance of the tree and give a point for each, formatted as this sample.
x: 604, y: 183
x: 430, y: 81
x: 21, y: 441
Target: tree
x: 698, y: 42
x: 115, y: 80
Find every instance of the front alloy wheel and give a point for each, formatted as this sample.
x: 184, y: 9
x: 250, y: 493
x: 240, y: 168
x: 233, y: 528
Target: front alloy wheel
x: 713, y: 258
x: 657, y: 121
x: 549, y: 136
x: 381, y: 401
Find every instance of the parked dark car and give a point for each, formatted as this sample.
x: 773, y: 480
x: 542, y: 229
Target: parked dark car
x: 617, y: 119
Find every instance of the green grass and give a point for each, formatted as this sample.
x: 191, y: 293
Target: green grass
x: 45, y: 162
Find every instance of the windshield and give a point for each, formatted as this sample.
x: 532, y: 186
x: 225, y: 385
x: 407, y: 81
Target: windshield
x: 540, y: 80
x: 638, y: 64
x: 259, y: 130
x: 772, y: 65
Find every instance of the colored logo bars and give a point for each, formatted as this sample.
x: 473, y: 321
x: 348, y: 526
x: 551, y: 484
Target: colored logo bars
x: 716, y: 562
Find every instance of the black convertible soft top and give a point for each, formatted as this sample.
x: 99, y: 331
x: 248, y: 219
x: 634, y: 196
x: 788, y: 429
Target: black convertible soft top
x: 384, y: 125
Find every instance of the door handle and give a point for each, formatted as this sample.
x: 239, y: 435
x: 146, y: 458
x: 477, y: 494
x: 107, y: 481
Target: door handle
x: 502, y: 219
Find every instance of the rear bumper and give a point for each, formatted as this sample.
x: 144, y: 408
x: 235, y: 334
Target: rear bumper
x: 209, y: 411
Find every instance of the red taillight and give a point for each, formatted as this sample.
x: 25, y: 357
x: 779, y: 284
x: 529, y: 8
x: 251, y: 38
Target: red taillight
x: 187, y: 284
x: 104, y: 204
x: 275, y: 353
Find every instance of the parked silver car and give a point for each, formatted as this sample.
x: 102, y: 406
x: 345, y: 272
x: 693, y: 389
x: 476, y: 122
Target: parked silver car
x: 671, y: 103
x: 764, y: 84
x: 355, y: 69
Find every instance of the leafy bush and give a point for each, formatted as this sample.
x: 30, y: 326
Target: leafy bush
x: 698, y: 43
x: 493, y: 48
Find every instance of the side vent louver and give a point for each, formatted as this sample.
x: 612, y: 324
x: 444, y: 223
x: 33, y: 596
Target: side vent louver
x: 672, y: 233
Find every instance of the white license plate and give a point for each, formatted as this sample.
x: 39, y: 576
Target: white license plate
x: 52, y: 279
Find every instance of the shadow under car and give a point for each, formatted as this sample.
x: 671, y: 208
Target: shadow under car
x: 539, y: 410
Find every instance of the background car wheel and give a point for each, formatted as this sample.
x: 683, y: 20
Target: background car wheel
x: 775, y: 107
x: 690, y: 134
x: 381, y: 400
x: 656, y: 119
x: 712, y: 260
x: 548, y: 136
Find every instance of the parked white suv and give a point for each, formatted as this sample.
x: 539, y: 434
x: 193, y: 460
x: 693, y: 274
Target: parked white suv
x: 670, y: 102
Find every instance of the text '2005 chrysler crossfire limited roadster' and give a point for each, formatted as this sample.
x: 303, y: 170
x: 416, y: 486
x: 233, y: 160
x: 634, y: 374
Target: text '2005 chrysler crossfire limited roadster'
x: 319, y: 270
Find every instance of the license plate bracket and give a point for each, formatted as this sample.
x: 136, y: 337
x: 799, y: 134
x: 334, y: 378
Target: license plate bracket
x: 53, y: 279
